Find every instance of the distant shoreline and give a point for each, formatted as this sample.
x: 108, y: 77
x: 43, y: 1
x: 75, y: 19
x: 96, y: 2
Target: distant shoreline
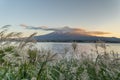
x: 74, y: 41
x: 60, y: 41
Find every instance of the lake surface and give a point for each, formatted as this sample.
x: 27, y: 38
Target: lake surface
x: 82, y: 47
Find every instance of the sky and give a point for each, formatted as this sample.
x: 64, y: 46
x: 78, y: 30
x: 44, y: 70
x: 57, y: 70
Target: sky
x: 91, y: 15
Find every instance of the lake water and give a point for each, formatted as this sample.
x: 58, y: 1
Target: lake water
x: 82, y: 47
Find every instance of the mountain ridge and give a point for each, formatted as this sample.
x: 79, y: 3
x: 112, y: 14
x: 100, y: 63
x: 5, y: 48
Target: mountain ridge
x: 60, y: 36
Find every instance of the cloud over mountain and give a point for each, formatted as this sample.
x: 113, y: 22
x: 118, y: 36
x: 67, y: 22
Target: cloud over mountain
x: 67, y: 29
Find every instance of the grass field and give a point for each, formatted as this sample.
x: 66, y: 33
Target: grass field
x: 25, y: 62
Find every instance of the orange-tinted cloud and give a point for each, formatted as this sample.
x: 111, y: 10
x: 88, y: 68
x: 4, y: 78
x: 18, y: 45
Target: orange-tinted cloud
x: 98, y: 33
x: 86, y: 32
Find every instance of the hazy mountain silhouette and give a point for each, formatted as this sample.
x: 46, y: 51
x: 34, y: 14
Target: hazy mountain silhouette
x: 64, y: 36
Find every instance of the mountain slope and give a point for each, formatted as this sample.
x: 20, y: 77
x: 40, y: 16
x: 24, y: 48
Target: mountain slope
x: 60, y: 36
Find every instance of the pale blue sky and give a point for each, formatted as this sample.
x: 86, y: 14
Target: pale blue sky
x: 98, y: 15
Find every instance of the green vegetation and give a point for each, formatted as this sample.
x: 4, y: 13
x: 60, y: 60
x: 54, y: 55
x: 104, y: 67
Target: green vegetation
x: 22, y: 61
